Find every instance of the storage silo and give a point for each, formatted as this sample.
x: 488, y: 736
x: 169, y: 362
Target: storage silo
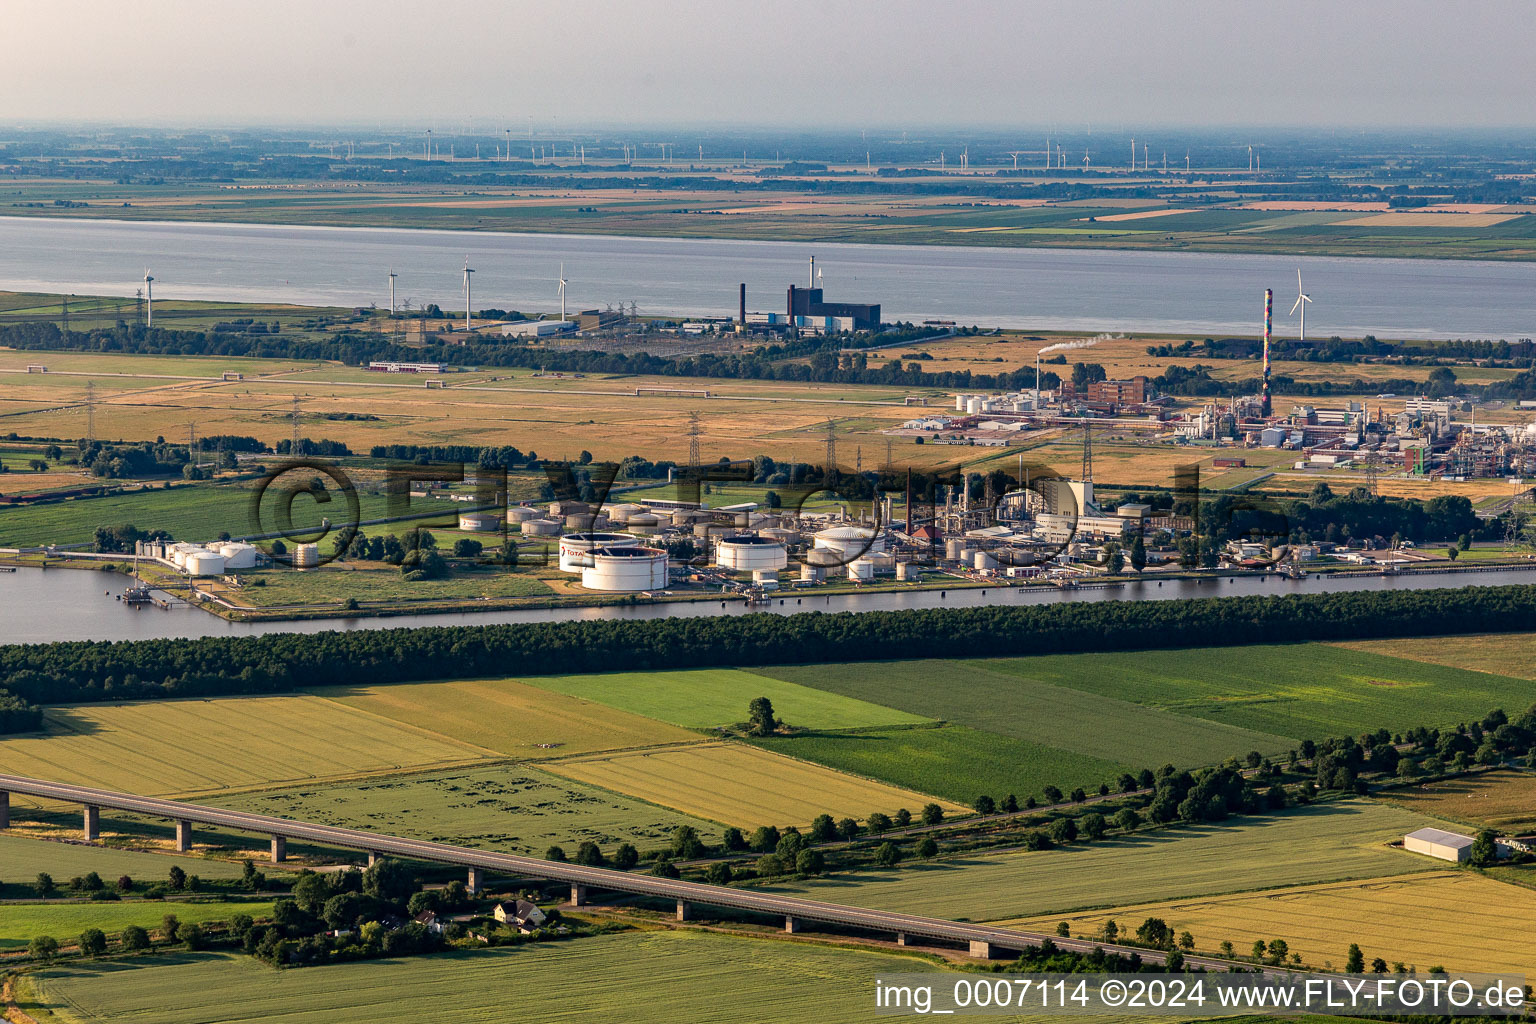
x: 306, y: 556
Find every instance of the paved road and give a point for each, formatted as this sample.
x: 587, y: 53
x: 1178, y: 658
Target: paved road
x: 789, y: 907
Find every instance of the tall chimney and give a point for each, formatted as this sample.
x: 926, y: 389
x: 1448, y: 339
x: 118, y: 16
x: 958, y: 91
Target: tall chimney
x: 811, y: 281
x: 791, y: 305
x: 742, y: 314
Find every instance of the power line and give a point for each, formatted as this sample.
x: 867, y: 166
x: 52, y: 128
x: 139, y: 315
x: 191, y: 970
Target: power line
x: 694, y: 459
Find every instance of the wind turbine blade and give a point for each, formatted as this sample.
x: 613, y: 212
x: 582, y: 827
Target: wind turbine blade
x: 1293, y: 308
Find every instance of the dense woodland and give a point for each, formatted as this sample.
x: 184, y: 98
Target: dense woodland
x: 83, y: 671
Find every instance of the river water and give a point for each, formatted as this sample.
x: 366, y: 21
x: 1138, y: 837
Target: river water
x: 1077, y: 289
x: 40, y: 606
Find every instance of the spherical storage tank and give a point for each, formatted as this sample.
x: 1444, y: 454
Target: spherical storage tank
x: 850, y: 542
x: 238, y: 556
x: 625, y: 570
x: 750, y: 554
x: 576, y: 548
x: 204, y: 563
x: 479, y: 522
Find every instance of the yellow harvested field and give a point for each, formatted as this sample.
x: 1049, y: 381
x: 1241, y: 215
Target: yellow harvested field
x: 1446, y: 219
x: 1498, y: 800
x: 510, y: 717
x: 1139, y: 215
x: 1504, y: 654
x: 738, y: 784
x: 186, y: 747
x: 1455, y: 919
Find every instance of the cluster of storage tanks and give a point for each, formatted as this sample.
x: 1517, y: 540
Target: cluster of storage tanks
x: 613, y: 562
x: 202, y: 560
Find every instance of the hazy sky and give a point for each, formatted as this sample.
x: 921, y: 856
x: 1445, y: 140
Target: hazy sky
x: 883, y: 63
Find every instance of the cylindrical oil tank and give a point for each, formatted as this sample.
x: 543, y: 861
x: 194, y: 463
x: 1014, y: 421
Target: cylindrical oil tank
x: 750, y: 553
x: 765, y: 579
x: 813, y: 573
x: 621, y: 513
x: 480, y: 522
x: 180, y: 552
x: 576, y: 548
x: 643, y: 523
x: 521, y: 514
x: 542, y: 527
x: 861, y: 571
x: 782, y: 534
x: 306, y: 556
x: 690, y: 516
x: 953, y: 547
x: 204, y: 563
x: 703, y: 528
x: 906, y: 571
x: 850, y: 541
x: 568, y: 508
x: 626, y: 570
x: 985, y: 560
x: 238, y: 556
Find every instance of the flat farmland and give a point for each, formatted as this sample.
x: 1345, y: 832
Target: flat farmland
x: 643, y: 977
x: 1504, y: 800
x: 954, y: 762
x: 1310, y: 690
x: 976, y: 694
x: 65, y: 921
x: 1502, y: 654
x: 510, y: 717
x: 1458, y: 920
x: 380, y: 583
x: 1329, y: 842
x: 708, y: 698
x: 185, y: 747
x: 22, y: 858
x: 509, y: 808
x: 737, y: 784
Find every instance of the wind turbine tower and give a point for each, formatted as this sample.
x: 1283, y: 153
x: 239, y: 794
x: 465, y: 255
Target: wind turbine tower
x: 509, y: 146
x: 1302, y: 298
x: 561, y: 290
x: 149, y: 299
x: 392, y: 277
x: 1269, y: 320
x: 468, y: 323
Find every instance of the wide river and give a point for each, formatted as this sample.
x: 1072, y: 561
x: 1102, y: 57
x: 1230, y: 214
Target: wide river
x: 1077, y: 289
x: 39, y: 606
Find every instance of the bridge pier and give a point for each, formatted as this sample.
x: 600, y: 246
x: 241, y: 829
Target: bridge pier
x: 981, y: 949
x: 5, y: 809
x: 791, y: 926
x: 373, y: 858
x: 92, y: 828
x: 901, y: 938
x: 684, y: 911
x: 578, y: 894
x: 476, y: 881
x: 183, y: 836
x: 279, y: 849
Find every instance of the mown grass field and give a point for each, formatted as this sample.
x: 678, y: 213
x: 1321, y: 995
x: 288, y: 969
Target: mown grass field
x: 980, y: 695
x: 1304, y: 690
x: 1295, y: 847
x: 708, y: 698
x: 1505, y: 801
x: 367, y: 583
x: 955, y: 762
x: 508, y: 808
x: 646, y: 978
x: 738, y: 784
x: 509, y: 717
x: 184, y: 747
x: 1504, y: 654
x: 20, y: 922
x: 21, y: 859
x: 1455, y: 919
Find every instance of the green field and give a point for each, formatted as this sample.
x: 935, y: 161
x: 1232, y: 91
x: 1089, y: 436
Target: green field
x: 979, y: 695
x: 21, y: 859
x: 508, y: 808
x: 369, y: 583
x: 660, y: 977
x: 1306, y: 690
x: 1317, y: 844
x: 708, y: 698
x: 955, y: 762
x: 19, y: 922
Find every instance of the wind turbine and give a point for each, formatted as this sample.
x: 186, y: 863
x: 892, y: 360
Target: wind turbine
x: 392, y: 276
x: 467, y: 306
x: 561, y: 291
x: 1302, y: 298
x: 149, y: 299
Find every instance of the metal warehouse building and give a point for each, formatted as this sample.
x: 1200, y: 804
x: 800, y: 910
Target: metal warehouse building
x: 1434, y: 842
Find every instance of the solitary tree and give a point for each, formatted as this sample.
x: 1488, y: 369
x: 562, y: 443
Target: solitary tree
x: 933, y: 814
x: 43, y: 947
x: 93, y: 942
x: 760, y: 716
x: 1354, y: 963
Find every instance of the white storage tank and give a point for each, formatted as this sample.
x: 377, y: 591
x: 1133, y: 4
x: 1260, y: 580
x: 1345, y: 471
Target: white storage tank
x: 643, y: 522
x: 238, y: 556
x: 766, y: 579
x: 750, y: 553
x: 690, y: 516
x: 782, y: 534
x: 204, y: 563
x: 576, y: 548
x: 625, y: 570
x: 306, y: 556
x: 861, y: 571
x: 985, y: 560
x: 906, y: 571
x: 850, y: 542
x: 542, y: 527
x: 973, y: 405
x: 180, y: 552
x: 954, y: 548
x: 621, y: 513
x: 480, y: 522
x: 813, y: 573
x: 521, y: 514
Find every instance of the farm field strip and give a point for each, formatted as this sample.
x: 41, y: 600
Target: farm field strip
x: 22, y: 858
x: 65, y: 921
x: 1504, y: 654
x: 979, y: 695
x: 1458, y: 920
x: 708, y: 698
x: 1503, y: 800
x: 525, y: 721
x: 738, y: 784
x: 1303, y: 845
